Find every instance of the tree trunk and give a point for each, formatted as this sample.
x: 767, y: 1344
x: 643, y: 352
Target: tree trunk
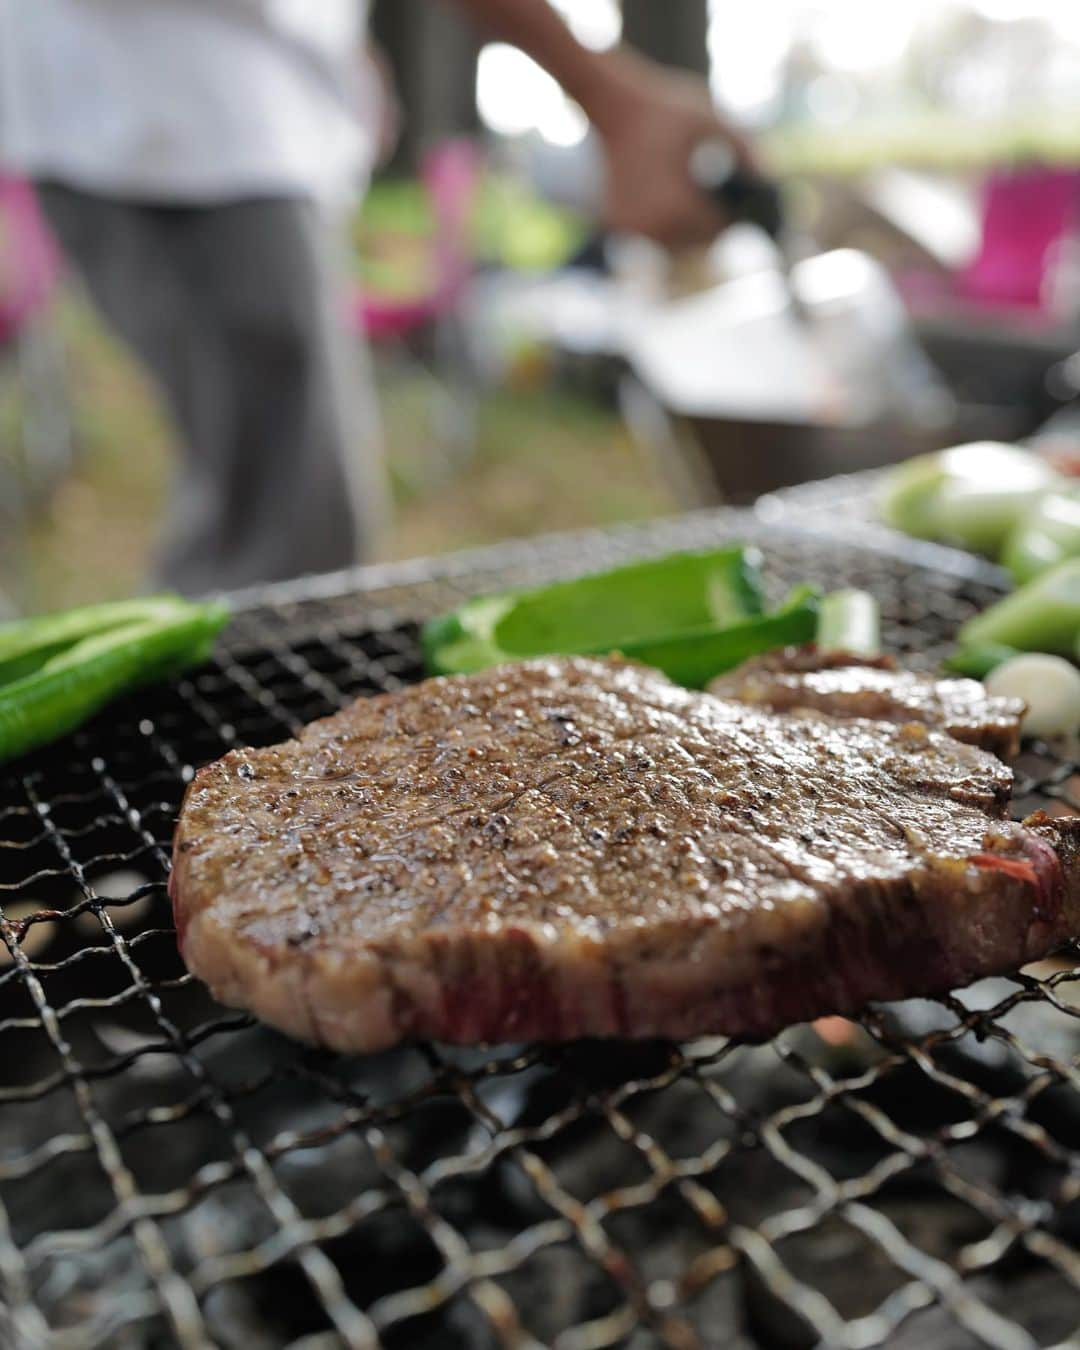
x: 433, y: 54
x: 672, y: 31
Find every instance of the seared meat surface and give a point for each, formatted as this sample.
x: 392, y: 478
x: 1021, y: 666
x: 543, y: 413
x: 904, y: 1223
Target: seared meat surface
x: 852, y: 686
x: 571, y: 847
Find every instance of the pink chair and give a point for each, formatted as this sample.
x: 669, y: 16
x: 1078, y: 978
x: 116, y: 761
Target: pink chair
x: 425, y: 338
x: 450, y: 174
x: 1026, y: 212
x: 31, y: 352
x: 29, y: 262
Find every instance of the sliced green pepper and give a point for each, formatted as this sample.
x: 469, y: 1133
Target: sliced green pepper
x: 1048, y: 534
x: 73, y: 683
x: 693, y: 659
x: 970, y: 495
x: 645, y: 602
x: 1043, y: 616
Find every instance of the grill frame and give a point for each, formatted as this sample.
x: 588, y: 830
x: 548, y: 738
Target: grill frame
x: 75, y: 816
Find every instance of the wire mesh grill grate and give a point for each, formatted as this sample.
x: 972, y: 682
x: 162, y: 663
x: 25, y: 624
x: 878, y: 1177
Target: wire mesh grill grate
x: 172, y: 1174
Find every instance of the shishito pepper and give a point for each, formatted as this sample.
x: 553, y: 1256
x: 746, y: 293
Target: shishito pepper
x: 57, y: 671
x: 26, y: 644
x: 691, y: 615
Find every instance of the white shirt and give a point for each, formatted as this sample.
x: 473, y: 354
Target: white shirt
x: 188, y: 100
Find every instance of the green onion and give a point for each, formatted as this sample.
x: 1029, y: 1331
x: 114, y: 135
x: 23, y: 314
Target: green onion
x: 849, y: 621
x: 970, y: 495
x: 1043, y: 616
x: 1048, y: 534
x: 1049, y: 685
x: 978, y: 662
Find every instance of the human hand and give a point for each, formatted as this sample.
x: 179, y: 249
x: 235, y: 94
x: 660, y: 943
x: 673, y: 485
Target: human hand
x: 650, y: 122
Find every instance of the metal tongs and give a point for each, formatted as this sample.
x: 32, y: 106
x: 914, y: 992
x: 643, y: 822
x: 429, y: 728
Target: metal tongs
x: 748, y: 197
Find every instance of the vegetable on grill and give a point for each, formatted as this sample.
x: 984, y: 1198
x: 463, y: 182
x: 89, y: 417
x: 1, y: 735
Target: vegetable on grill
x: 1043, y: 616
x: 970, y: 495
x: 1047, y: 535
x: 1049, y: 685
x: 626, y: 609
x: 691, y: 615
x: 693, y: 658
x: 977, y: 662
x: 58, y: 670
x: 849, y: 621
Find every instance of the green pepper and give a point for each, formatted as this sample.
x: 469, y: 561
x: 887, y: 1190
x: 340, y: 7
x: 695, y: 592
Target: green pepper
x: 1048, y: 534
x: 978, y: 662
x: 1043, y: 616
x: 72, y: 680
x: 620, y: 610
x: 970, y: 495
x: 26, y: 644
x: 849, y: 621
x: 692, y: 659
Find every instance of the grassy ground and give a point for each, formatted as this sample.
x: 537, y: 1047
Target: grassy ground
x: 541, y: 461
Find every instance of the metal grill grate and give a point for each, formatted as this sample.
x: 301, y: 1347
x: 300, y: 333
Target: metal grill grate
x: 172, y: 1174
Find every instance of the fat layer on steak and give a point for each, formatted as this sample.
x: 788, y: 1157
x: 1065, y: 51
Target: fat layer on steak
x: 572, y: 847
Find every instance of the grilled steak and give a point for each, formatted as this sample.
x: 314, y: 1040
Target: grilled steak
x: 852, y: 686
x: 569, y: 848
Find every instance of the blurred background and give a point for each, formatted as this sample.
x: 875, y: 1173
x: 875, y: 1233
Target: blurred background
x: 535, y: 375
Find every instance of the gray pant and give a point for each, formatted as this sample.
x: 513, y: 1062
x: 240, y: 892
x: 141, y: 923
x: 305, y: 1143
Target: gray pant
x: 237, y: 312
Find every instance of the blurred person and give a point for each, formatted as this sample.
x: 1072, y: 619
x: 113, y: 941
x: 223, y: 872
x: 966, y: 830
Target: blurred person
x: 196, y: 159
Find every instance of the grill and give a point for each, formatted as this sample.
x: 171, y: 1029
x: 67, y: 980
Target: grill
x: 172, y: 1174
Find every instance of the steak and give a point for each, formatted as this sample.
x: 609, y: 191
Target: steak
x: 573, y: 847
x: 851, y: 686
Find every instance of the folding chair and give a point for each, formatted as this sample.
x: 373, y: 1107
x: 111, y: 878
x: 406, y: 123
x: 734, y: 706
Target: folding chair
x: 39, y: 452
x: 426, y: 334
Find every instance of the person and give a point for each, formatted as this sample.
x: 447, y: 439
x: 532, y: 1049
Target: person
x: 195, y: 159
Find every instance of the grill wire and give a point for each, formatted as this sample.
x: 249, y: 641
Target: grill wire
x: 171, y: 1174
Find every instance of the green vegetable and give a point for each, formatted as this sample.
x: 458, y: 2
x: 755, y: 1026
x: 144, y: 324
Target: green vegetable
x: 978, y: 662
x: 971, y: 495
x: 694, y: 658
x: 1048, y: 534
x: 1043, y: 616
x: 849, y: 621
x: 26, y: 644
x: 63, y: 668
x: 626, y: 609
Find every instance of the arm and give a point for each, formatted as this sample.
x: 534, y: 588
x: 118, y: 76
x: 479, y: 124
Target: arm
x: 597, y: 80
x: 649, y: 119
